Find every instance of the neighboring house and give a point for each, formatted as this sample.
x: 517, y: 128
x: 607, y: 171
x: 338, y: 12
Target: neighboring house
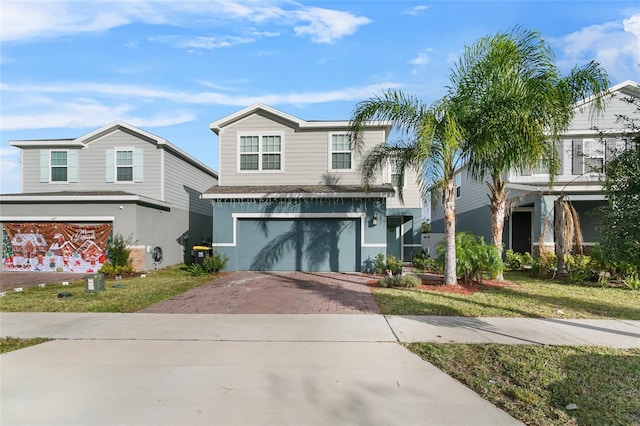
x: 289, y: 196
x: 118, y: 178
x: 586, y: 148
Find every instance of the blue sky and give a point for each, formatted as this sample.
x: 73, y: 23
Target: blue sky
x: 172, y: 67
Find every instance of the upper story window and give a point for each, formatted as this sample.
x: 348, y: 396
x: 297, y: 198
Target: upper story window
x: 260, y: 152
x: 59, y: 166
x: 396, y: 177
x: 458, y: 182
x: 341, y: 155
x: 124, y: 165
x: 593, y: 156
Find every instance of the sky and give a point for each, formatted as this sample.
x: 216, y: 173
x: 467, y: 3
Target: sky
x: 173, y: 67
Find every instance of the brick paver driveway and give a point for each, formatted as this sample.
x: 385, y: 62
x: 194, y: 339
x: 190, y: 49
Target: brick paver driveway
x: 275, y: 293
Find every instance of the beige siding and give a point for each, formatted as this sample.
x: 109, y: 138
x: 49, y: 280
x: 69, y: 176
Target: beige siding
x: 184, y: 184
x: 411, y: 191
x: 306, y: 155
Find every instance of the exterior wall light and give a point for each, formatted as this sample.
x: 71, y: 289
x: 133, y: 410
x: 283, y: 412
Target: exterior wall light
x: 374, y: 221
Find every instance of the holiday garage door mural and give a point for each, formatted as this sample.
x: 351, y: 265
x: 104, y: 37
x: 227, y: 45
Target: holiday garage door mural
x: 54, y: 247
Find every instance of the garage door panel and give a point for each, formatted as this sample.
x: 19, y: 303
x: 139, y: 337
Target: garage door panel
x: 298, y: 244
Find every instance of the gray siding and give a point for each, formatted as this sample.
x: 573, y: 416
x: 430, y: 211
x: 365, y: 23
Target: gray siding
x: 584, y: 120
x: 306, y: 155
x: 92, y: 168
x: 184, y: 184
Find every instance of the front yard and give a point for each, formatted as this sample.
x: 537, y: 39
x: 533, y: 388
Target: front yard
x: 523, y: 296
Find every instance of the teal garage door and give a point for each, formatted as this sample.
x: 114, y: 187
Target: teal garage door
x: 320, y: 245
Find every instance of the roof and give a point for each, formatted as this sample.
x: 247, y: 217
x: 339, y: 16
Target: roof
x: 627, y: 87
x: 298, y: 191
x: 298, y: 123
x: 81, y: 197
x: 83, y: 141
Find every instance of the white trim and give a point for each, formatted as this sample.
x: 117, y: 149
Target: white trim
x: 115, y: 164
x: 361, y: 216
x: 162, y: 177
x: 260, y: 134
x: 330, y: 135
x: 57, y: 182
x: 57, y: 218
x: 46, y: 143
x: 85, y: 198
x: 290, y: 195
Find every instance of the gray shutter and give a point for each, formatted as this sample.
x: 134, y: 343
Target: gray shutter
x: 138, y: 171
x: 109, y: 165
x: 559, y: 145
x: 72, y: 165
x: 577, y: 157
x: 610, y: 151
x: 44, y: 165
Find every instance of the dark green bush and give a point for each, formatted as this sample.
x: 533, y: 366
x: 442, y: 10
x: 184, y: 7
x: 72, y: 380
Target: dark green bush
x: 473, y: 257
x: 403, y: 281
x: 424, y: 263
x: 214, y: 263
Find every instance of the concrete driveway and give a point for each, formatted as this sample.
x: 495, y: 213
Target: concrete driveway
x: 276, y: 293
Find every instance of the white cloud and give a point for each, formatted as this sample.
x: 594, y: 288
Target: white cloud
x: 615, y: 45
x: 92, y: 104
x: 422, y: 58
x: 207, y: 43
x: 26, y: 20
x: 414, y: 11
x: 326, y: 26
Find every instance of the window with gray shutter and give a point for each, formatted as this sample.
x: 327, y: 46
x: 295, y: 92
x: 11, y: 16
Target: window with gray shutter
x: 577, y: 157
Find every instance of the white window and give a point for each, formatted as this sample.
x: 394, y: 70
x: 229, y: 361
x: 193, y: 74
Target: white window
x: 593, y: 151
x: 59, y: 166
x: 341, y: 156
x: 458, y: 181
x: 124, y: 165
x: 260, y: 152
x: 395, y: 177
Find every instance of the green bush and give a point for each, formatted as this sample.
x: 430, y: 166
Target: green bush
x: 394, y: 265
x: 424, y: 263
x: 403, y: 281
x: 518, y: 261
x: 113, y: 271
x: 473, y: 257
x: 379, y: 263
x: 118, y: 250
x: 580, y: 268
x: 632, y: 281
x: 214, y: 263
x: 545, y: 265
x: 195, y: 269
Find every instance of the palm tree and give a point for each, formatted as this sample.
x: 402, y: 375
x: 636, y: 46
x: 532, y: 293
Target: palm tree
x: 429, y: 144
x: 513, y: 105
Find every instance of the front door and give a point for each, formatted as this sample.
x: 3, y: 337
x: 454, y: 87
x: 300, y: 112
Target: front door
x: 394, y: 237
x: 521, y: 231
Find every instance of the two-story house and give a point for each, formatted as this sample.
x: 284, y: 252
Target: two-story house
x: 289, y: 196
x: 590, y: 143
x: 117, y: 179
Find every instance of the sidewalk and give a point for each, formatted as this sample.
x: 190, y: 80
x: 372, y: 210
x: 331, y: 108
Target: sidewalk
x: 322, y: 328
x: 211, y: 369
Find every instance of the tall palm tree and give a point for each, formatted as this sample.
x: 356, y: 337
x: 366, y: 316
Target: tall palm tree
x: 429, y: 143
x: 513, y: 105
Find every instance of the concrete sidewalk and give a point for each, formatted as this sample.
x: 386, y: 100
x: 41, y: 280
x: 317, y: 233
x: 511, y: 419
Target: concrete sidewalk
x: 321, y: 328
x: 175, y: 369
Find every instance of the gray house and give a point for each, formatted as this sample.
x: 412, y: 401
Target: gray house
x: 586, y: 148
x: 138, y: 183
x: 289, y: 196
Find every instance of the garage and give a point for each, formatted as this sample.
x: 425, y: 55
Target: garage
x: 318, y: 244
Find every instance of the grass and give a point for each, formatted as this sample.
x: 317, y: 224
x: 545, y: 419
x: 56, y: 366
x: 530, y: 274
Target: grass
x: 530, y: 297
x: 8, y: 344
x: 536, y: 383
x: 126, y: 295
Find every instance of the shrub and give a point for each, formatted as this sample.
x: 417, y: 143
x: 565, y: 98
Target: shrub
x: 632, y: 281
x: 473, y: 257
x: 545, y: 265
x: 580, y: 268
x: 112, y: 270
x: 118, y: 250
x: 424, y: 263
x: 403, y: 281
x: 380, y: 263
x: 195, y: 269
x: 395, y: 266
x: 518, y: 261
x: 214, y: 263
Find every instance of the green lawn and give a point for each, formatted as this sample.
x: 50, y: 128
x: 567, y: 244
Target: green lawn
x: 8, y: 344
x: 536, y: 383
x: 126, y: 295
x: 530, y: 297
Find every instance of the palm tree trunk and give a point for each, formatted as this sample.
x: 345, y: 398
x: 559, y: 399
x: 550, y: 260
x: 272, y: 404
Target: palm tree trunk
x: 498, y: 207
x: 450, y: 277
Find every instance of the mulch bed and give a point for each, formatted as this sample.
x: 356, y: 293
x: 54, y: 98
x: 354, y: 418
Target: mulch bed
x: 432, y: 282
